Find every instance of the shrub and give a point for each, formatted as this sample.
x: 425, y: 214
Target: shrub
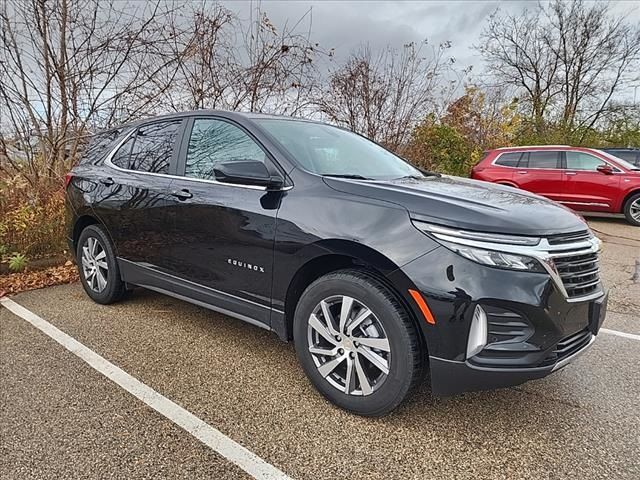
x: 32, y: 217
x: 17, y: 262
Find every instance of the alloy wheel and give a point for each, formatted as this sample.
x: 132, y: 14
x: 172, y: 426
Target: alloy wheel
x: 635, y: 210
x: 94, y: 265
x: 348, y: 345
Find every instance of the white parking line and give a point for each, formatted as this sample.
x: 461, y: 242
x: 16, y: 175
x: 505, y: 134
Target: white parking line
x: 632, y: 336
x: 213, y: 438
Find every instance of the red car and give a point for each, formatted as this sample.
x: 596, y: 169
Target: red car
x: 583, y: 179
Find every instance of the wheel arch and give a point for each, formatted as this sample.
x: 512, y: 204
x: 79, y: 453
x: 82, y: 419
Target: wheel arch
x: 631, y: 193
x: 80, y: 224
x: 339, y: 255
x: 507, y: 183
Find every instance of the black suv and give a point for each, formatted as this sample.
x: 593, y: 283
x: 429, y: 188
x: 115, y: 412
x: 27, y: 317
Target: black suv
x: 378, y: 272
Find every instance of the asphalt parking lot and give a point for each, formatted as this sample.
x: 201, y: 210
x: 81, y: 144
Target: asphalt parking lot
x: 60, y: 418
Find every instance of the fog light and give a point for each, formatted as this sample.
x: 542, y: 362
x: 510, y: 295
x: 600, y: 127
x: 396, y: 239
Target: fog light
x: 477, y: 332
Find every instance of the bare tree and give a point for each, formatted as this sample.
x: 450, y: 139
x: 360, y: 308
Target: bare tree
x: 224, y: 62
x: 596, y: 53
x: 67, y: 65
x: 278, y: 73
x: 567, y: 59
x: 383, y: 95
x: 201, y: 40
x: 518, y: 53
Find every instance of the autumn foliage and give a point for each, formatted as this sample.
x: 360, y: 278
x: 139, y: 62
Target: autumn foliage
x: 555, y: 73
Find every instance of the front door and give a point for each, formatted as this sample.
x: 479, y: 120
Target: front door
x: 589, y: 189
x: 222, y: 235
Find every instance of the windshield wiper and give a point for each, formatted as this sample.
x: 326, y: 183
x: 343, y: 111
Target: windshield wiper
x: 425, y: 173
x: 429, y: 173
x: 346, y: 175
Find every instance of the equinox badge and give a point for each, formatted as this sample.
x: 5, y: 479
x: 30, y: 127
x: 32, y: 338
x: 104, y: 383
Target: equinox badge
x: 241, y: 264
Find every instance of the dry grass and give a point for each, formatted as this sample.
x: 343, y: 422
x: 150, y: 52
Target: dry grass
x: 32, y: 218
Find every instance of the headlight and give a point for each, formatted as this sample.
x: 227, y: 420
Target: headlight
x: 494, y: 250
x: 497, y: 259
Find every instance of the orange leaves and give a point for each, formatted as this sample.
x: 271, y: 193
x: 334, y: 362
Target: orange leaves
x: 20, y: 282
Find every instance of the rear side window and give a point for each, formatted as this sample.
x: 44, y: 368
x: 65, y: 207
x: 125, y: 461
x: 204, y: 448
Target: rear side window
x: 121, y: 157
x: 544, y: 159
x: 98, y: 146
x: 213, y: 142
x: 153, y: 147
x: 509, y: 159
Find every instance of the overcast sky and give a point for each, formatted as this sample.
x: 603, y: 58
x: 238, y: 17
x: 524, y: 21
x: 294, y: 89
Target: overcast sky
x: 343, y: 25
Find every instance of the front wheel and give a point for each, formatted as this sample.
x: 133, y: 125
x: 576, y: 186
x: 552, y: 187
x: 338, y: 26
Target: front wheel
x: 357, y: 343
x: 632, y: 210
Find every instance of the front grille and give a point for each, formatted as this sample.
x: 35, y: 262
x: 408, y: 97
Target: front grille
x: 580, y: 274
x: 569, y: 238
x: 571, y: 344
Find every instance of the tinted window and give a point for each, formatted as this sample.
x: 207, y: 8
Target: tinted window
x: 582, y: 161
x: 213, y: 142
x: 542, y: 159
x: 98, y: 146
x: 509, y: 159
x: 121, y: 157
x: 153, y: 147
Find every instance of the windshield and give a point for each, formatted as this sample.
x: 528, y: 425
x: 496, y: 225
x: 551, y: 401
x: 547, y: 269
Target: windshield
x: 331, y: 151
x: 622, y: 162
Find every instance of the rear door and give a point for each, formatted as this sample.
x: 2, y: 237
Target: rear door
x: 589, y: 189
x: 134, y: 192
x: 539, y: 171
x: 501, y: 170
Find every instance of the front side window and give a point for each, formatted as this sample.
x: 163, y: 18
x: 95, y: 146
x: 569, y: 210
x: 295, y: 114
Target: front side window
x: 327, y: 150
x: 544, y: 159
x: 583, y: 161
x: 153, y: 147
x: 214, y: 142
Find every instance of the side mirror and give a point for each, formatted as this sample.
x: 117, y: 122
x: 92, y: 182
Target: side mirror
x: 247, y: 172
x: 606, y: 169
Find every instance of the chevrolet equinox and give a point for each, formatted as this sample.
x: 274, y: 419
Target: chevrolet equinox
x: 379, y: 272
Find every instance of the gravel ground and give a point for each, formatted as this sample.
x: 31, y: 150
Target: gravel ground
x: 59, y: 418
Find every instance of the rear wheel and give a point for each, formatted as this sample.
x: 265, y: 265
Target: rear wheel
x: 98, y: 266
x: 356, y: 343
x: 632, y: 210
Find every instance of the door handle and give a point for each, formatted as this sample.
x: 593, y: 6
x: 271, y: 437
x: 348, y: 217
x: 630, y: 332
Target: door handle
x: 523, y: 172
x: 182, y: 195
x: 569, y: 173
x: 107, y: 182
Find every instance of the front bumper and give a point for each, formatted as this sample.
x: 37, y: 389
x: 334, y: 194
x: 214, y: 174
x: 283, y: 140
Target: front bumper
x: 449, y: 377
x: 533, y: 330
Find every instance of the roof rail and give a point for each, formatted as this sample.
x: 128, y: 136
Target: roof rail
x: 533, y: 146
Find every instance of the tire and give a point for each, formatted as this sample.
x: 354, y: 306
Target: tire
x: 113, y: 288
x: 389, y: 326
x: 632, y: 210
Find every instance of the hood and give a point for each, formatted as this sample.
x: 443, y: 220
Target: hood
x: 469, y: 204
